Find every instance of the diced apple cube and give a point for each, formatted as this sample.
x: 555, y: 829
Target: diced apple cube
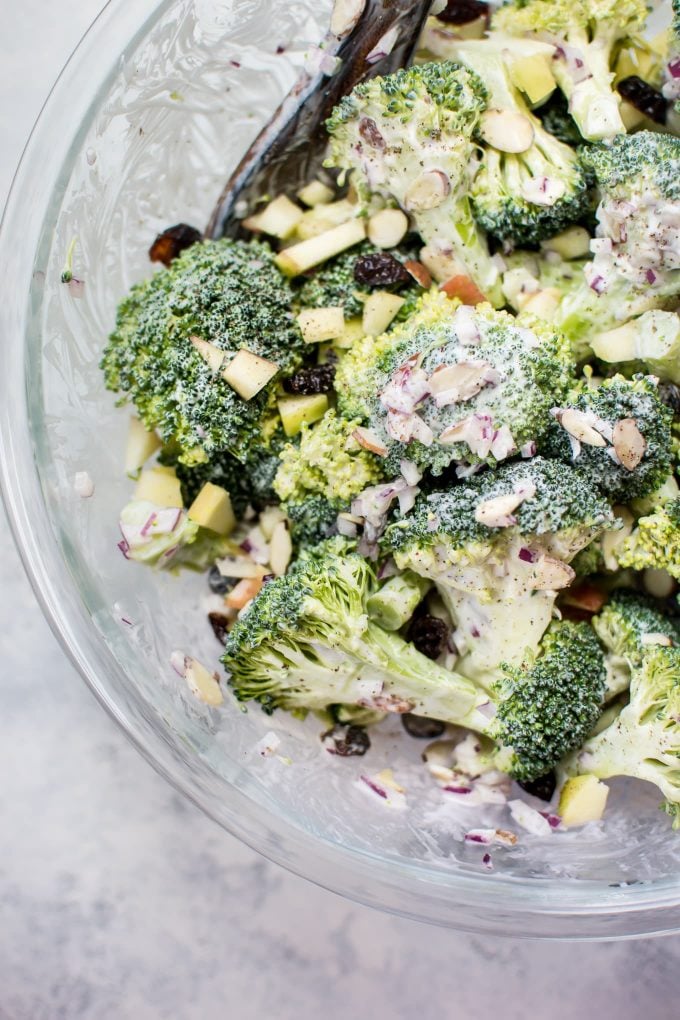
x: 159, y: 485
x: 307, y: 254
x: 211, y: 354
x: 212, y: 509
x: 297, y: 411
x: 380, y: 309
x: 319, y: 324
x: 141, y: 444
x: 582, y: 800
x: 532, y: 75
x: 544, y: 303
x: 202, y: 683
x: 279, y: 218
x: 630, y: 115
x: 618, y: 344
x: 323, y: 218
x: 281, y: 549
x: 572, y: 243
x: 247, y: 373
x: 315, y: 193
x: 353, y: 331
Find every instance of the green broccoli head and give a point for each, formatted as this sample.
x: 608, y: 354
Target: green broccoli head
x: 407, y: 137
x: 327, y: 461
x: 457, y: 385
x: 619, y: 434
x: 306, y: 643
x: 644, y: 741
x: 548, y: 706
x: 312, y: 519
x: 557, y: 121
x: 627, y: 625
x: 228, y: 293
x: 498, y: 547
x: 521, y: 197
x: 638, y: 177
x: 655, y: 542
x: 585, y: 33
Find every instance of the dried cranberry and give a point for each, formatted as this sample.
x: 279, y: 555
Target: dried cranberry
x: 318, y: 379
x: 353, y: 740
x: 644, y: 98
x: 462, y: 12
x: 422, y: 728
x: 428, y: 634
x: 172, y: 241
x: 368, y: 129
x: 220, y: 625
x: 669, y: 393
x: 218, y: 582
x: 380, y: 269
x: 543, y: 787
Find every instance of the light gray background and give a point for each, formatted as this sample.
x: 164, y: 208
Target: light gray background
x: 119, y: 901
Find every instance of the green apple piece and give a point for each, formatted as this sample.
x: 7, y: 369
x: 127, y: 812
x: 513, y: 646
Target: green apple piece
x: 212, y: 509
x: 353, y: 331
x: 315, y: 193
x: 582, y: 800
x: 380, y: 309
x: 654, y: 337
x: 159, y: 485
x: 303, y: 256
x: 247, y: 373
x: 324, y: 217
x: 533, y: 77
x: 211, y: 354
x: 280, y: 549
x: 319, y: 324
x: 572, y: 243
x: 141, y: 444
x: 296, y: 411
x: 279, y: 218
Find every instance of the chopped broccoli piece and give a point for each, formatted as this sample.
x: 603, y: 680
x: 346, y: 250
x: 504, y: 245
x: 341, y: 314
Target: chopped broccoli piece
x: 644, y: 742
x: 521, y: 197
x: 312, y: 519
x: 408, y: 138
x: 655, y: 542
x: 585, y: 33
x: 557, y: 121
x: 497, y: 547
x: 228, y: 293
x: 620, y: 436
x: 453, y: 384
x: 326, y: 461
x: 306, y: 642
x: 626, y: 626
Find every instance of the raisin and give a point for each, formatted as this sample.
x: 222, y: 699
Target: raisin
x: 349, y: 741
x: 644, y: 98
x: 462, y: 12
x: 543, y: 787
x: 368, y: 129
x: 318, y: 379
x: 219, y: 583
x: 220, y: 625
x: 380, y: 269
x: 422, y: 728
x: 172, y: 241
x: 428, y: 634
x: 669, y: 393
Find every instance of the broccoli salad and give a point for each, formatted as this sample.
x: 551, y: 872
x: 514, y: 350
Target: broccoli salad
x: 420, y: 424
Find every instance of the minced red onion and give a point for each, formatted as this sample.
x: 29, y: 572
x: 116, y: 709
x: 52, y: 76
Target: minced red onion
x: 374, y: 786
x: 487, y: 862
x: 483, y: 836
x: 124, y: 547
x: 178, y: 661
x: 527, y: 555
x: 465, y: 325
x: 460, y: 790
x: 529, y: 449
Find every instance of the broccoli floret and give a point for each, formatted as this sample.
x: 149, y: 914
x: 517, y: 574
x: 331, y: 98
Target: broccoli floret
x: 326, y: 461
x: 626, y: 626
x: 498, y: 548
x: 312, y: 519
x: 167, y: 538
x: 638, y: 177
x: 589, y: 560
x: 618, y: 434
x: 228, y: 293
x: 655, y: 542
x: 557, y: 121
x: 644, y: 742
x: 521, y: 197
x: 470, y: 387
x: 585, y: 33
x: 306, y: 642
x: 408, y: 137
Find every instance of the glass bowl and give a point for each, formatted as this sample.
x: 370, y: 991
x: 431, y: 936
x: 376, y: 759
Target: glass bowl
x: 155, y: 107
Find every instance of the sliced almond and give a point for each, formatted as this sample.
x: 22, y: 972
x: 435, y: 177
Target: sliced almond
x: 202, y: 683
x: 576, y: 423
x: 280, y: 549
x: 464, y: 288
x: 387, y: 228
x: 656, y: 639
x: 659, y: 583
x: 550, y: 574
x: 453, y: 383
x: 345, y: 16
x: 244, y: 591
x: 211, y: 354
x: 629, y: 443
x: 419, y: 273
x: 240, y: 567
x: 507, y: 130
x: 427, y: 191
x: 497, y: 512
x: 370, y: 441
x: 586, y: 597
x: 505, y: 837
x: 443, y: 265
